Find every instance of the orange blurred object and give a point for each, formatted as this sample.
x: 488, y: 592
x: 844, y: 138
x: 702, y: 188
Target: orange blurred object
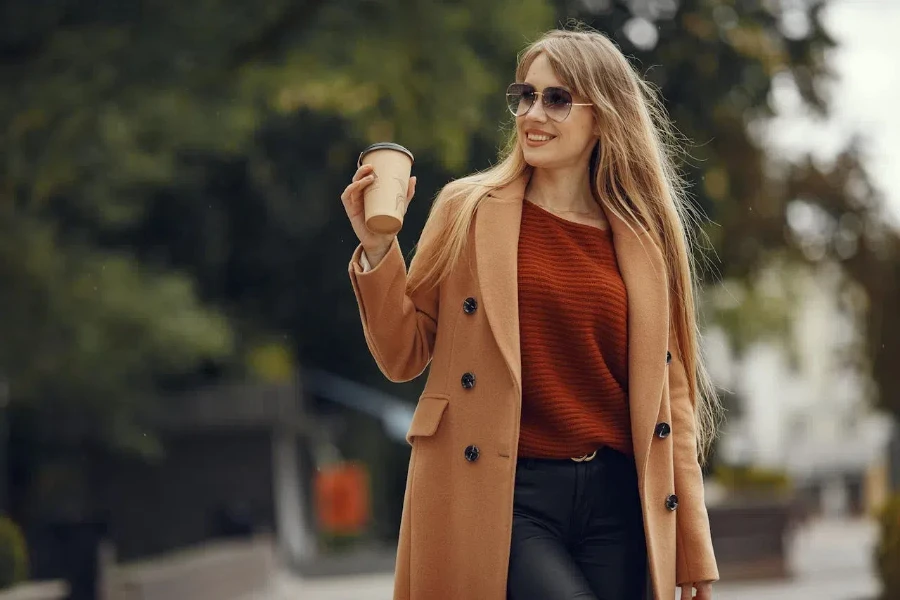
x: 342, y: 498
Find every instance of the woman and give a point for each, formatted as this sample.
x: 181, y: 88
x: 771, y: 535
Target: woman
x: 555, y: 446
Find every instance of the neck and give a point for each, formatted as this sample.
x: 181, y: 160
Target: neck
x: 562, y: 190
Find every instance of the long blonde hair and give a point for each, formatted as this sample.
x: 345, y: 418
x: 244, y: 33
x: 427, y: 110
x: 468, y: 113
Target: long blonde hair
x: 634, y: 175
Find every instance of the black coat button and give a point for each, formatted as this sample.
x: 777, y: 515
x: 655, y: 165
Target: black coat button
x: 668, y: 357
x: 470, y: 305
x: 472, y: 453
x: 468, y: 381
x: 663, y: 430
x: 672, y: 502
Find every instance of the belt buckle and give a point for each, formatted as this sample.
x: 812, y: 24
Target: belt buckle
x: 586, y: 457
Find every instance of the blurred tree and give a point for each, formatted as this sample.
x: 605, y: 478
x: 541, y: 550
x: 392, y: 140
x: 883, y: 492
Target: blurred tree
x: 168, y: 164
x: 110, y: 109
x: 838, y: 216
x: 84, y: 331
x: 169, y: 188
x: 718, y: 64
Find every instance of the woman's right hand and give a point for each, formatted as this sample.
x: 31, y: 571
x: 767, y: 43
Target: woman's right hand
x: 376, y: 245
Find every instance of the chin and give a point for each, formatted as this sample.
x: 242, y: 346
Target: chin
x: 539, y: 159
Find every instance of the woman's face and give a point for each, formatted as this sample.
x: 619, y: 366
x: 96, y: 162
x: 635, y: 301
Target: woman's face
x: 549, y: 144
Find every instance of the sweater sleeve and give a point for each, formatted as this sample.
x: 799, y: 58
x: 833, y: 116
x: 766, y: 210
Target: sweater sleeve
x: 364, y: 262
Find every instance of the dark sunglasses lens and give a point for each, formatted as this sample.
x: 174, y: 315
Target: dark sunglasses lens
x: 519, y: 98
x: 557, y: 103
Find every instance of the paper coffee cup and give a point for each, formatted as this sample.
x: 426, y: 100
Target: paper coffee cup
x: 385, y: 198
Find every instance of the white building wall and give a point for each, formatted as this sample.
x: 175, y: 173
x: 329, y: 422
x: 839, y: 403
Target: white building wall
x: 807, y: 415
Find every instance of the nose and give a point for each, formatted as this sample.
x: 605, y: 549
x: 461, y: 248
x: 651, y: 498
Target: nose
x: 536, y: 112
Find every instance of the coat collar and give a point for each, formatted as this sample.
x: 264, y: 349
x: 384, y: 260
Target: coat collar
x: 641, y: 264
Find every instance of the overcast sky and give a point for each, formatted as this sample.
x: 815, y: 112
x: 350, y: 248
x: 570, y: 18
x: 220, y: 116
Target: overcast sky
x: 866, y: 97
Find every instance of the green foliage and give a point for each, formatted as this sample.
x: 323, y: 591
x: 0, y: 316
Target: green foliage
x: 13, y: 554
x: 170, y: 176
x: 106, y: 108
x: 272, y: 362
x: 716, y: 64
x: 85, y: 331
x: 887, y: 552
x: 741, y: 479
x: 420, y: 72
x: 854, y: 234
x: 758, y: 307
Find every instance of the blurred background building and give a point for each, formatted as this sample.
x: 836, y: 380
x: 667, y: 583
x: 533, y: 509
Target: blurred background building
x: 803, y: 405
x: 187, y: 405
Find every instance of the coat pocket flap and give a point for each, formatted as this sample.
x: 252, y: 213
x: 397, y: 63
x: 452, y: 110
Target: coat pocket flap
x: 427, y: 417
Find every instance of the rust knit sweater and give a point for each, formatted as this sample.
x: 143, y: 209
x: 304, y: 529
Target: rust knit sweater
x: 574, y: 334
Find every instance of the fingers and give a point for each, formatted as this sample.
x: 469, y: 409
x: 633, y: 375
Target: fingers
x: 362, y: 172
x: 351, y: 192
x: 411, y: 190
x: 363, y: 177
x: 704, y: 591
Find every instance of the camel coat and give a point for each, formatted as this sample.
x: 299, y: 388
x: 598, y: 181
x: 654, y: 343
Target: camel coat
x: 457, y: 512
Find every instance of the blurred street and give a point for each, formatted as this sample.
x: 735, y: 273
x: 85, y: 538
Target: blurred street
x: 831, y: 559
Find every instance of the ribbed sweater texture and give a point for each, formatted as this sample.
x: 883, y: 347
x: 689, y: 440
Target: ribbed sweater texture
x: 573, y: 320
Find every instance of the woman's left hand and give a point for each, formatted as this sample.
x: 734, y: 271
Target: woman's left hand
x: 704, y: 591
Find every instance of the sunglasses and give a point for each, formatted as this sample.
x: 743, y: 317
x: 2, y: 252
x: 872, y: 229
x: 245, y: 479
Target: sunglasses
x: 557, y: 102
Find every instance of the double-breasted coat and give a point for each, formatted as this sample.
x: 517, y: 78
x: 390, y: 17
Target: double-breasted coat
x: 457, y: 511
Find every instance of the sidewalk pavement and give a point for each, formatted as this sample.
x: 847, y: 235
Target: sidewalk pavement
x: 831, y: 561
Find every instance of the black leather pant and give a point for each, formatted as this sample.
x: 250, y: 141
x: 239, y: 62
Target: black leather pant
x: 577, y: 530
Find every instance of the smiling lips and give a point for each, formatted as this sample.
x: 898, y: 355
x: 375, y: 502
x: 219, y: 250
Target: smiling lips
x: 537, y: 138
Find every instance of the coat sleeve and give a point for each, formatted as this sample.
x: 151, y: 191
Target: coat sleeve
x: 695, y: 560
x: 399, y: 329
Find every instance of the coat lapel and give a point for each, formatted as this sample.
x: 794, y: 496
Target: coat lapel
x: 643, y: 271
x: 497, y: 225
